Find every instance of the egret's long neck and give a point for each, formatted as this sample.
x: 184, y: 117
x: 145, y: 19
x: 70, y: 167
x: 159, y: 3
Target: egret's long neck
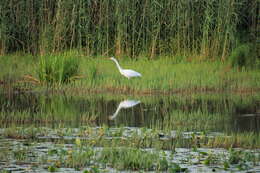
x: 117, y: 64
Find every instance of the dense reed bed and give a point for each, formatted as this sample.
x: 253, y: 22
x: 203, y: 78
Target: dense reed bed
x: 206, y: 28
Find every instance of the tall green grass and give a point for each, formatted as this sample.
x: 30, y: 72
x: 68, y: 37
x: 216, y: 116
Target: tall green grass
x: 131, y: 27
x: 57, y: 69
x: 163, y: 75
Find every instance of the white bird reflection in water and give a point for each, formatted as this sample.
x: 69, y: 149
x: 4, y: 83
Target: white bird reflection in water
x: 124, y: 104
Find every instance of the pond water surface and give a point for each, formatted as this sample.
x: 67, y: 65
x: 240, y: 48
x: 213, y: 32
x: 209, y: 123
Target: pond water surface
x: 197, y: 114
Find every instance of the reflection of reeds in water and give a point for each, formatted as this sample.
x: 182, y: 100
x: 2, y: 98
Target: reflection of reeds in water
x: 200, y: 113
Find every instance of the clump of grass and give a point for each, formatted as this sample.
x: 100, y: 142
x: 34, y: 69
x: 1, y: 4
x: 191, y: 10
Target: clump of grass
x: 132, y: 158
x: 241, y: 159
x: 79, y: 158
x: 57, y: 69
x: 245, y: 140
x: 52, y: 168
x: 22, y: 133
x: 20, y: 154
x: 242, y: 56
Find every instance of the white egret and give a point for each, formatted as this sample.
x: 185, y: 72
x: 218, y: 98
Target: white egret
x: 124, y: 104
x: 126, y: 72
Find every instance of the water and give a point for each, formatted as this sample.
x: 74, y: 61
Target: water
x: 217, y: 113
x: 46, y: 121
x: 19, y: 156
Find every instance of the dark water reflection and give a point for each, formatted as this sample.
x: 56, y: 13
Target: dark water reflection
x: 221, y: 113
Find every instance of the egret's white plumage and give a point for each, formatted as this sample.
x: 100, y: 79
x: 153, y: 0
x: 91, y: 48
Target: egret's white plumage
x: 126, y: 72
x: 124, y: 104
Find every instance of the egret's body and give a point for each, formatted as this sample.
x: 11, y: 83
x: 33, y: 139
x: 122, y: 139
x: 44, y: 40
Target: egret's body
x: 126, y: 72
x: 124, y: 104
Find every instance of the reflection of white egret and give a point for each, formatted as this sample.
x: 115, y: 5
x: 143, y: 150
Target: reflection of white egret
x: 126, y: 72
x: 124, y: 104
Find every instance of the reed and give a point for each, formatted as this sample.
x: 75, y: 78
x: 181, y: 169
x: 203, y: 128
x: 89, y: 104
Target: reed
x: 209, y: 29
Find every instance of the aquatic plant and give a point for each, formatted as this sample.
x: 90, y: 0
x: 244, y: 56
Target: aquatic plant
x: 131, y: 158
x: 79, y: 158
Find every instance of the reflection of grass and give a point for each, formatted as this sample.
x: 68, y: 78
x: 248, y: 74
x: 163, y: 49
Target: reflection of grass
x: 190, y: 113
x: 184, y: 114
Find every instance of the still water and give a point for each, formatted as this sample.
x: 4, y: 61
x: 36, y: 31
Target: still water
x: 204, y: 112
x: 51, y: 127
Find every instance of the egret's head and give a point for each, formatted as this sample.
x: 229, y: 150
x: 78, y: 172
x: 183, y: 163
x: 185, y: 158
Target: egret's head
x: 112, y: 58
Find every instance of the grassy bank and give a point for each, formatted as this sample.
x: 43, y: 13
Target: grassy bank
x: 164, y: 75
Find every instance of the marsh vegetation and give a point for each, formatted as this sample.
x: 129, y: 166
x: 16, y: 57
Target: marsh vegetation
x: 64, y: 107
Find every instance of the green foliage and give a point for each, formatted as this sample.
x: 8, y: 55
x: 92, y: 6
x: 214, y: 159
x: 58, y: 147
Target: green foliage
x: 79, y: 158
x: 210, y: 159
x: 20, y: 154
x: 57, y: 69
x: 243, y: 56
x: 176, y: 168
x: 102, y: 74
x: 129, y: 158
x: 52, y: 169
x: 241, y: 158
x: 130, y: 27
